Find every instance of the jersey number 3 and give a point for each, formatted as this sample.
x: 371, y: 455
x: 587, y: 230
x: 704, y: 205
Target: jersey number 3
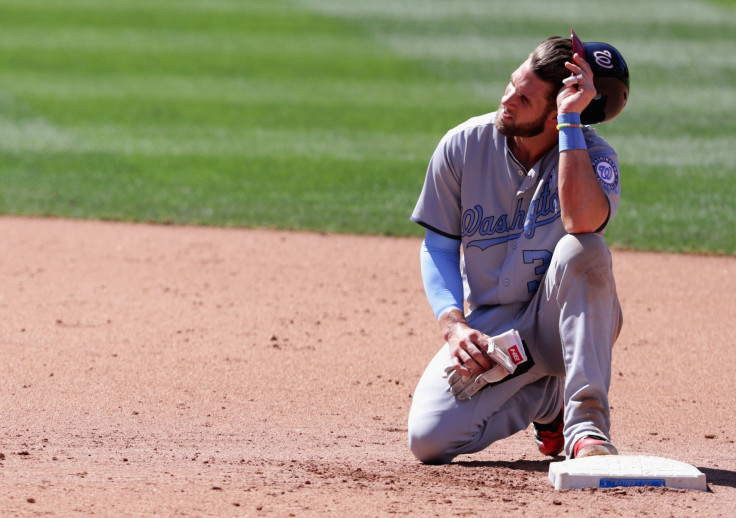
x: 542, y: 259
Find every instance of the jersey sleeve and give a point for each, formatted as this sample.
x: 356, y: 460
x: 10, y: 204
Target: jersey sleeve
x: 440, y: 267
x: 438, y: 206
x: 605, y: 165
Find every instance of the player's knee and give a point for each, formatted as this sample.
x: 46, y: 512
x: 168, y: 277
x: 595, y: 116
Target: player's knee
x: 428, y: 443
x: 583, y: 252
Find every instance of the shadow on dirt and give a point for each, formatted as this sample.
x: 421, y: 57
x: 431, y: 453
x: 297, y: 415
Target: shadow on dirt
x: 529, y: 466
x: 713, y: 476
x: 719, y: 477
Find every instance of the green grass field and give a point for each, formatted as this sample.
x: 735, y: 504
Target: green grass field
x: 322, y: 114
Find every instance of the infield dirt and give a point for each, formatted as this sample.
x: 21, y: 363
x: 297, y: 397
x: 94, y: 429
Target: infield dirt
x: 185, y: 371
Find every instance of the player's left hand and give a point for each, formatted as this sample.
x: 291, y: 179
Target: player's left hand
x: 578, y: 89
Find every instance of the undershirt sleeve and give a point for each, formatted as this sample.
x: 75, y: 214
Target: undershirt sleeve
x: 440, y: 266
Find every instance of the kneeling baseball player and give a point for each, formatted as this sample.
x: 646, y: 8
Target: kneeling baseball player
x: 514, y: 206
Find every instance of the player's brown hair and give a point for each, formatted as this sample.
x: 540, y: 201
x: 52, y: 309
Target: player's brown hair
x: 548, y: 62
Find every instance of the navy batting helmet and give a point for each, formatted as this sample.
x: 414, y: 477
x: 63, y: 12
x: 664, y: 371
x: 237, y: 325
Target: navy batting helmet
x: 611, y: 79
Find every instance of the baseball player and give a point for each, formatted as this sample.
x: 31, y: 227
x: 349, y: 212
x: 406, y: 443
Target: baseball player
x: 514, y: 205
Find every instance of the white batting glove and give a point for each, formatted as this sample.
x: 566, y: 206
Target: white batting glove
x: 506, y: 350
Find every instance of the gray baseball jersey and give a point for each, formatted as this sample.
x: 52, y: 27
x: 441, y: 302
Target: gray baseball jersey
x: 507, y: 218
x: 509, y: 222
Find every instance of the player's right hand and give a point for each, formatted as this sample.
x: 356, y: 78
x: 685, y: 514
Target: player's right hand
x: 468, y: 350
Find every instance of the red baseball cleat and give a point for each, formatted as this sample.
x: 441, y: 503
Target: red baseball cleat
x: 593, y: 445
x: 549, y: 436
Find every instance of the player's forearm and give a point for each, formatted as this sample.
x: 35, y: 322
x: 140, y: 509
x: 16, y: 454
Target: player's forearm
x: 440, y: 266
x: 582, y: 201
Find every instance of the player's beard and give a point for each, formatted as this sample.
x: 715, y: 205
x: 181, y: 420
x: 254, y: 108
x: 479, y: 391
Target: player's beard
x: 525, y: 130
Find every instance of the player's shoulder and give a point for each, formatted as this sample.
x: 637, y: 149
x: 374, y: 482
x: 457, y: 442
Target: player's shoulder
x: 597, y: 144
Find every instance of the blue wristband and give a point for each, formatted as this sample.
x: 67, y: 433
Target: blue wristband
x: 571, y: 132
x: 568, y: 118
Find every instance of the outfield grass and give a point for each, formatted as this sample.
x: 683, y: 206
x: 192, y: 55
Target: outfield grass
x: 322, y: 114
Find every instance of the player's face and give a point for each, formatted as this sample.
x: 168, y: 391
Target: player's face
x: 525, y: 105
